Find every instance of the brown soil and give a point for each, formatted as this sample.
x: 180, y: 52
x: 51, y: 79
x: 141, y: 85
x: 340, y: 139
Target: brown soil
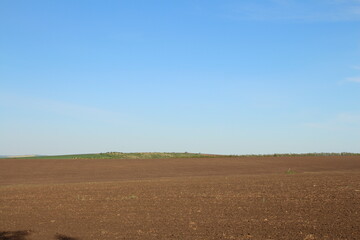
x: 213, y: 198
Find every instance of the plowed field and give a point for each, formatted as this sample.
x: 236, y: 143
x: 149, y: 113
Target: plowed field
x: 201, y: 198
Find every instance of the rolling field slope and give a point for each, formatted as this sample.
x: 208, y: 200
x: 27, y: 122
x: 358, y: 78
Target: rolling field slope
x: 298, y: 198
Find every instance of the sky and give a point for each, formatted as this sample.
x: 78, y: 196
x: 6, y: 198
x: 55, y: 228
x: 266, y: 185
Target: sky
x: 215, y: 76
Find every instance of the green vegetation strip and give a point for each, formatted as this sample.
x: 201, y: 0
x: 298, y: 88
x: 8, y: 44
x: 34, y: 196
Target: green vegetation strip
x: 154, y: 155
x: 120, y: 155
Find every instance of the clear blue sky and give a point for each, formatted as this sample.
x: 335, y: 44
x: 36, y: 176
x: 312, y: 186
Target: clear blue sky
x: 231, y: 77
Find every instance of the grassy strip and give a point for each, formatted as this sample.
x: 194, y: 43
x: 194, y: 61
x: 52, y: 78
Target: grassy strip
x: 120, y: 155
x: 156, y: 155
x: 298, y: 154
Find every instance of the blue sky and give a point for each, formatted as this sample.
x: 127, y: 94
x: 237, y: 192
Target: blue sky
x: 231, y: 77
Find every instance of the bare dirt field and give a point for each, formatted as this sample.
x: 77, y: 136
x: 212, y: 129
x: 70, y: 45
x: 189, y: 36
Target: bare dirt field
x: 198, y: 198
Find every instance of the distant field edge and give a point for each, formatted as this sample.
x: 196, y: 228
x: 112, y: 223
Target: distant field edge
x: 121, y: 155
x: 157, y: 155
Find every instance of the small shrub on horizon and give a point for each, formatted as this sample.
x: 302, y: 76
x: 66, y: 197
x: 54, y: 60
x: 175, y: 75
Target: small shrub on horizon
x: 289, y: 171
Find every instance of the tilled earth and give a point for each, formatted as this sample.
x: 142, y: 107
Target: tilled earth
x: 214, y: 198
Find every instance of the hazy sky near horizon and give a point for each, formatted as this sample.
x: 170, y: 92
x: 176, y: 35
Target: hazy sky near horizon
x: 231, y: 77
